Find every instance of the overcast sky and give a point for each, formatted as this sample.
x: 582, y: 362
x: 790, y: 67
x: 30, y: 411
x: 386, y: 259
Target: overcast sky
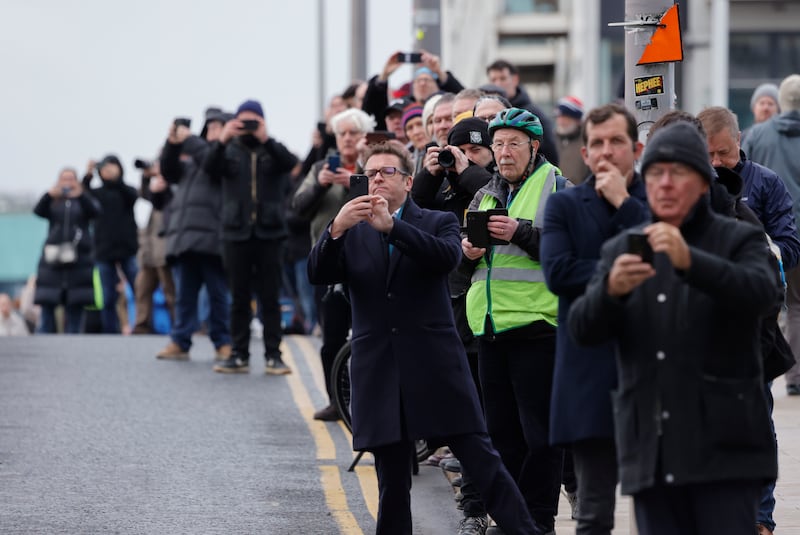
x: 84, y: 78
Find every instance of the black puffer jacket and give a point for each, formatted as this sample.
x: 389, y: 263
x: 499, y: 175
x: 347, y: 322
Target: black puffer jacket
x: 115, y: 232
x: 69, y: 222
x: 255, y: 182
x: 192, y: 210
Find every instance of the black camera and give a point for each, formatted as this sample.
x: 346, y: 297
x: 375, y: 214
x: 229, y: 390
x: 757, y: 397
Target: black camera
x: 446, y: 159
x: 138, y: 163
x: 183, y: 121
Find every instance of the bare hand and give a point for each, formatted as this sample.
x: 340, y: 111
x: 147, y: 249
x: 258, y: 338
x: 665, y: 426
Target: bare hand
x: 90, y: 167
x: 431, y: 161
x: 627, y: 273
x: 433, y: 62
x: 666, y: 238
x: 502, y: 227
x: 157, y: 184
x: 178, y: 134
x: 392, y: 64
x: 473, y: 253
x: 381, y: 220
x: 353, y: 212
x: 462, y: 162
x: 610, y: 183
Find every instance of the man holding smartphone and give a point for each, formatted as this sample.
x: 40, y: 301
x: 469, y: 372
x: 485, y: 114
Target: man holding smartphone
x: 690, y: 416
x: 322, y: 193
x: 254, y: 171
x: 577, y: 222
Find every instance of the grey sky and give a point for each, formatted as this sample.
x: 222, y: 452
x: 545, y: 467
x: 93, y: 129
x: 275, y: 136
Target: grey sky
x: 84, y: 78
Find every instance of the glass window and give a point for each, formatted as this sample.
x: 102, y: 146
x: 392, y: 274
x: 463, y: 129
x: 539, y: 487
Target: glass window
x: 531, y: 6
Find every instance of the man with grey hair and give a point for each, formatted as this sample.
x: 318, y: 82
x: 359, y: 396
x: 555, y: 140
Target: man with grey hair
x: 319, y: 198
x: 775, y: 143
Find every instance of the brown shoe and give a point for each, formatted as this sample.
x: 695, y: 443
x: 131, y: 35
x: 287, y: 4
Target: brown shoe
x: 761, y: 529
x: 223, y: 352
x: 172, y: 352
x: 328, y: 414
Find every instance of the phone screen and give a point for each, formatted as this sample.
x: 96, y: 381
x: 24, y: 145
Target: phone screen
x: 359, y: 185
x: 638, y: 245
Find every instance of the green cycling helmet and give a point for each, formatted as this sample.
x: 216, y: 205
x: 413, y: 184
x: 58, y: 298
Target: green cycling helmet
x: 518, y: 119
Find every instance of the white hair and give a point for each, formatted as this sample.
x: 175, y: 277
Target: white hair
x: 365, y: 123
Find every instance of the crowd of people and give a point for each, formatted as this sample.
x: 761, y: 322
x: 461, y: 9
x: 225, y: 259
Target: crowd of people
x: 555, y: 302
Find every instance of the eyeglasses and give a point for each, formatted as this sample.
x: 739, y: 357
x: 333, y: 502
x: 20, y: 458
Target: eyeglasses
x: 386, y: 172
x: 513, y: 145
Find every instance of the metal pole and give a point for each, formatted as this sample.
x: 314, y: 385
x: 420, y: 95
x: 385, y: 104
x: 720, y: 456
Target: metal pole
x: 649, y: 89
x: 320, y: 58
x: 358, y: 46
x: 720, y: 20
x: 427, y: 26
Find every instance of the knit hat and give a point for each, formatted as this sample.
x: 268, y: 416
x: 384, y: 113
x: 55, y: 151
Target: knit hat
x: 427, y: 109
x: 409, y: 112
x: 250, y: 105
x: 471, y: 130
x: 570, y: 107
x: 764, y: 90
x: 678, y: 142
x: 425, y: 70
x: 789, y: 93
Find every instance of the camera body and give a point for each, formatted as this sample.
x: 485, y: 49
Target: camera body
x: 249, y: 125
x: 447, y: 159
x: 139, y: 163
x: 183, y: 121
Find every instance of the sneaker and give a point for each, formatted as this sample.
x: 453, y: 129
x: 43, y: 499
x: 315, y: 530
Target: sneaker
x: 223, y: 352
x: 451, y: 465
x: 793, y: 390
x: 473, y: 525
x: 328, y: 414
x: 232, y: 365
x: 276, y: 366
x: 172, y: 352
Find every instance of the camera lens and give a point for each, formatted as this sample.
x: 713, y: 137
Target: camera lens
x: 446, y: 159
x: 141, y: 164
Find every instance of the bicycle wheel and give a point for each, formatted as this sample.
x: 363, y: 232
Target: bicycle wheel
x: 340, y: 384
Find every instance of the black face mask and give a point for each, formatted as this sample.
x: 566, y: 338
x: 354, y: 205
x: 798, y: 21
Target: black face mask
x: 249, y: 140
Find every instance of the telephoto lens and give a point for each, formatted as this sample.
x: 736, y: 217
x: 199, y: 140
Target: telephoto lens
x: 446, y: 159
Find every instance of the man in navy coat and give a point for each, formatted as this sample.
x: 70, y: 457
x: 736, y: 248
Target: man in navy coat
x: 409, y: 373
x: 577, y: 221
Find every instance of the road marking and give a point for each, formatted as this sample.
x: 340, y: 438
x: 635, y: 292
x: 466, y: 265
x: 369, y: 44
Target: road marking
x: 369, y: 487
x: 337, y: 501
x: 311, y: 355
x: 326, y: 449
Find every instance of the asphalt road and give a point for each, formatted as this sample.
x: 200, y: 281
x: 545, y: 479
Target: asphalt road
x: 97, y: 436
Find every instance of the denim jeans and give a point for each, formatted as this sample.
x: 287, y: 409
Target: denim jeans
x: 194, y: 271
x: 109, y: 280
x: 73, y: 319
x: 766, y: 505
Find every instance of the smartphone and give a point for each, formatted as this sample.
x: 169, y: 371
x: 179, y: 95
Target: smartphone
x: 359, y: 185
x: 334, y: 162
x: 478, y: 230
x: 249, y: 125
x: 638, y: 244
x: 409, y: 57
x: 183, y: 121
x: 380, y: 136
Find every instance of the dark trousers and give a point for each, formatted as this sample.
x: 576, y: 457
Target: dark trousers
x: 595, y: 463
x: 335, y: 324
x: 470, y: 497
x: 73, y: 319
x: 109, y: 279
x: 502, y: 497
x: 147, y: 281
x: 255, y: 266
x: 193, y: 271
x: 517, y: 377
x: 727, y: 507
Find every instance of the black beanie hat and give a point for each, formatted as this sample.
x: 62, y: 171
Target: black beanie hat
x: 470, y: 130
x: 678, y: 142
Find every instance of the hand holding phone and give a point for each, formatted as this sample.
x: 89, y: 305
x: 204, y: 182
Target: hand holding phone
x: 334, y: 162
x: 359, y: 185
x: 478, y: 227
x: 639, y: 245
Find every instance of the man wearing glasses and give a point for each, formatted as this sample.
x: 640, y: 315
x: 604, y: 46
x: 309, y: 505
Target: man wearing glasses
x: 513, y: 314
x: 395, y: 258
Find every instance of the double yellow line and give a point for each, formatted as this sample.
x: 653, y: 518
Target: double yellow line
x: 330, y: 473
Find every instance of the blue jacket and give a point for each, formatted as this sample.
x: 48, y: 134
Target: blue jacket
x: 766, y: 194
x: 576, y: 223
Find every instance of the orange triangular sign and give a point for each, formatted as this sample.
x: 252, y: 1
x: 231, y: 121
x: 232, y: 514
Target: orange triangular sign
x: 665, y: 44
